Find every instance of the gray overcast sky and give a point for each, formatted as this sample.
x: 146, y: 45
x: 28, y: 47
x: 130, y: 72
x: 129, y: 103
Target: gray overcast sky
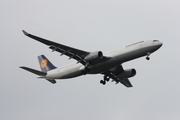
x: 89, y: 25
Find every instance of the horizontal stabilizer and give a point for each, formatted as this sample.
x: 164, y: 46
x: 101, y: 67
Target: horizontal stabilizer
x: 51, y: 80
x: 34, y: 71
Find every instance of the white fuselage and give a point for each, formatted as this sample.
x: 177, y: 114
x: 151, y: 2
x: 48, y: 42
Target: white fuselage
x: 117, y: 57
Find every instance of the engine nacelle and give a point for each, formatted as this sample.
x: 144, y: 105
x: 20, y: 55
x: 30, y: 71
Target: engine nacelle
x: 93, y: 56
x: 127, y: 73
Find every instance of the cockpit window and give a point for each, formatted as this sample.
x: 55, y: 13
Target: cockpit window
x: 155, y: 40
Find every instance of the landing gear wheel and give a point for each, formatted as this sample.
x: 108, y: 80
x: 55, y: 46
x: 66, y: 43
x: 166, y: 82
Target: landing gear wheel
x: 106, y: 78
x: 147, y: 58
x: 103, y: 82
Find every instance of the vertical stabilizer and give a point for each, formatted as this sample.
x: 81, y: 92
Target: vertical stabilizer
x: 45, y: 64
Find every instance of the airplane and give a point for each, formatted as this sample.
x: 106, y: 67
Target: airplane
x: 109, y: 64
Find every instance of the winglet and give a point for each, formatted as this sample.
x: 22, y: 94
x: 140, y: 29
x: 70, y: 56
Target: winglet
x: 25, y: 33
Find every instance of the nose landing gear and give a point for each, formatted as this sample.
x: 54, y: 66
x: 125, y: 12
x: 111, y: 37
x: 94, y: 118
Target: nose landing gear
x: 147, y: 58
x: 148, y: 54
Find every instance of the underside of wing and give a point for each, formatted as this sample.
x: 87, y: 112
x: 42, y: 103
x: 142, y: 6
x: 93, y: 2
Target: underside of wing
x: 63, y: 49
x: 126, y: 82
x: 115, y: 73
x: 81, y: 56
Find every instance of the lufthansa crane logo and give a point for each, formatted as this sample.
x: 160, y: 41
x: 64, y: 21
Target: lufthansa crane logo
x: 44, y: 63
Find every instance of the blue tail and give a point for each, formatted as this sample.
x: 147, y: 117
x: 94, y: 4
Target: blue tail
x: 45, y: 64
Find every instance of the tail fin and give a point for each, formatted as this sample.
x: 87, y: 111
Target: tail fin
x: 45, y: 64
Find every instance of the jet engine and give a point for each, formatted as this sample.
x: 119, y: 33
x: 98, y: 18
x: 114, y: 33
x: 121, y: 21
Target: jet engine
x: 127, y: 73
x: 93, y: 56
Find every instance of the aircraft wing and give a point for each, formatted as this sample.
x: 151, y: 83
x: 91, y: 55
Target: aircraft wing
x: 126, y: 82
x: 64, y: 50
x: 113, y: 74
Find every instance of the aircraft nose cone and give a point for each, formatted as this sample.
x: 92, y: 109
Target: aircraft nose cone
x: 160, y: 44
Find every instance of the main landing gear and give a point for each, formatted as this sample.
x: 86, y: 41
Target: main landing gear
x: 148, y: 54
x: 106, y: 79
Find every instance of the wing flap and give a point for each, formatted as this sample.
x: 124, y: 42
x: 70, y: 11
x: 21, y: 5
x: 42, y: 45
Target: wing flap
x: 126, y: 82
x: 113, y: 74
x: 71, y: 53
